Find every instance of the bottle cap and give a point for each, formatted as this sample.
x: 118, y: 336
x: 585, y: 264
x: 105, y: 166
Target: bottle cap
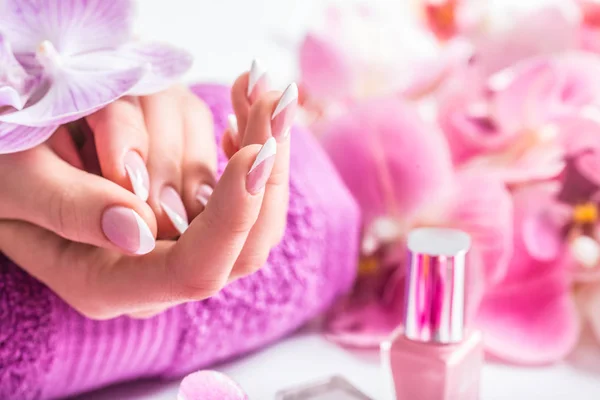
x: 435, y: 285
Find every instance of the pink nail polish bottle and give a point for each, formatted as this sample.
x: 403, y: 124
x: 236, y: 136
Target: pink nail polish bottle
x: 433, y: 357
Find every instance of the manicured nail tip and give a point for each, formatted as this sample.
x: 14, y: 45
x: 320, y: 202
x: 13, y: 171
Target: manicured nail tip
x: 289, y: 96
x: 232, y: 123
x: 257, y: 71
x: 261, y: 168
x: 178, y: 221
x: 203, y: 194
x: 269, y: 149
x: 135, y: 167
x: 147, y: 242
x: 137, y: 183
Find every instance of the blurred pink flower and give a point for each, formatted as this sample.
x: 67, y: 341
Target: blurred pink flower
x: 399, y: 170
x: 519, y: 124
x: 530, y: 316
x: 361, y: 52
x: 504, y: 32
x: 209, y: 385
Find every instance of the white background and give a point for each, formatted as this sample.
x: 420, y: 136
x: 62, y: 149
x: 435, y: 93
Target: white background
x: 224, y: 36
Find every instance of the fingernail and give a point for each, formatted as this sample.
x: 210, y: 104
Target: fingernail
x: 284, y: 113
x: 203, y: 194
x: 257, y: 81
x: 138, y: 174
x: 171, y: 202
x: 127, y: 230
x: 261, y: 169
x: 233, y: 128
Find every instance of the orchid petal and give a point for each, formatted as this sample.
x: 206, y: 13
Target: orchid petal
x: 73, y: 26
x: 209, y: 385
x: 15, y: 138
x: 483, y: 208
x: 520, y: 40
x: 524, y: 102
x: 15, y: 83
x: 326, y: 70
x: 430, y: 73
x: 392, y: 162
x: 529, y: 317
x: 532, y: 322
x: 364, y: 326
x: 579, y: 80
x: 166, y: 64
x: 580, y: 133
x: 588, y: 164
x: 523, y: 161
x: 10, y: 97
x: 73, y: 94
x: 542, y: 237
x: 469, y: 126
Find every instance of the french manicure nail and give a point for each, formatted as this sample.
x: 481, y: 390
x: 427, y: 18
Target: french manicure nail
x: 171, y: 203
x: 257, y: 81
x: 203, y: 194
x: 261, y: 168
x: 135, y: 167
x: 127, y: 230
x: 233, y: 128
x: 284, y: 113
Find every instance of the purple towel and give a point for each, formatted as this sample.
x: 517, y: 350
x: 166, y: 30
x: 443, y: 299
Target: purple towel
x: 48, y: 350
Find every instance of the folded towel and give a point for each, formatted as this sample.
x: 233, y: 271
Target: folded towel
x: 48, y: 350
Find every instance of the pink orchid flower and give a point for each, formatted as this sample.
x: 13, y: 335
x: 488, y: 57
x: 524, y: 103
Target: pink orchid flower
x: 209, y: 385
x: 530, y: 316
x: 81, y: 55
x: 519, y: 124
x: 15, y: 83
x: 504, y: 32
x: 360, y: 52
x: 400, y: 172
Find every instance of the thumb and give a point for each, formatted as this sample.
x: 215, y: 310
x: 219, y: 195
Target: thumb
x: 41, y: 188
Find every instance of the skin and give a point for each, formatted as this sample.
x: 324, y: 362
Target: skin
x: 51, y: 208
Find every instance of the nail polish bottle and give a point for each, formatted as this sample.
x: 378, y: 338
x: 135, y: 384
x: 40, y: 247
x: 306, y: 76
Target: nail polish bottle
x: 433, y: 357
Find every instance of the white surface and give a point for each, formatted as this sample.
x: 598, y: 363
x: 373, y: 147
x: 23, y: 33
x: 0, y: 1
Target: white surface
x: 225, y: 36
x: 309, y: 357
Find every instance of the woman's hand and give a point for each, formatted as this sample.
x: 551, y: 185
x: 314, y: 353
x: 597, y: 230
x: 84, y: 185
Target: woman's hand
x: 70, y: 228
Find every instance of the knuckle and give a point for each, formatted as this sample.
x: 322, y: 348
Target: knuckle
x: 279, y: 177
x: 65, y: 217
x: 192, y: 284
x: 223, y: 217
x: 130, y: 122
x: 200, y: 289
x: 252, y: 263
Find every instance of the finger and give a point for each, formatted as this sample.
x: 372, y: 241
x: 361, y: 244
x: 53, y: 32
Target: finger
x: 42, y: 189
x: 273, y: 115
x: 245, y: 91
x: 200, y: 154
x: 165, y: 126
x: 64, y: 146
x: 122, y: 145
x: 102, y: 284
